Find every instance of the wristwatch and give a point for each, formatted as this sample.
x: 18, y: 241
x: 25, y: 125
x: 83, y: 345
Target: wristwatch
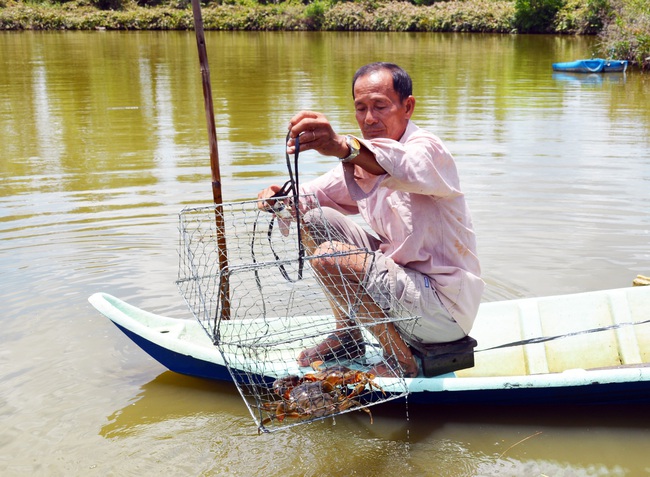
x: 355, y: 148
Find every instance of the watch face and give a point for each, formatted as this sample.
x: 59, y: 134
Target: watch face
x: 355, y: 148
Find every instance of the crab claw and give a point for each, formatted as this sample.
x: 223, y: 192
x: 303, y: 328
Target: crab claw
x: 317, y: 364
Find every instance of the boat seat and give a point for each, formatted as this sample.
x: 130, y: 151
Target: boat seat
x: 441, y: 358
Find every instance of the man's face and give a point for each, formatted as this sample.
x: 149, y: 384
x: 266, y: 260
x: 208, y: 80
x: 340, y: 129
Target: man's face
x: 379, y: 111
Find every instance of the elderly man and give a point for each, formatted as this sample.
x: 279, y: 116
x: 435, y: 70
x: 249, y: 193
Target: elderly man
x: 403, y: 182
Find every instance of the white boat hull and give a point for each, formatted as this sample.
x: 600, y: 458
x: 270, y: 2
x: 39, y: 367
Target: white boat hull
x: 590, y: 347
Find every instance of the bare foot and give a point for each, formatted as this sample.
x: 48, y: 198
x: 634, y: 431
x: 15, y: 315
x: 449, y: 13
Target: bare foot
x: 391, y: 367
x: 342, y: 345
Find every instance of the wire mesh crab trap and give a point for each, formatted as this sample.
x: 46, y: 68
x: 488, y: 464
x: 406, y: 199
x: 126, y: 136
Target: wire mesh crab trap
x: 262, y: 303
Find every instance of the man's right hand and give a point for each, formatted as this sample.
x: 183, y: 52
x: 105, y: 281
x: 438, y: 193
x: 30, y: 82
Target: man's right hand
x: 267, y: 205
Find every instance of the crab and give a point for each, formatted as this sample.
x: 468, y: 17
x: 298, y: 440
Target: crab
x: 319, y: 394
x: 312, y: 399
x: 343, y: 376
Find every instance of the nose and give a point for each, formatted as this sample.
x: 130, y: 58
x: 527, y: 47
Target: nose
x: 369, y: 117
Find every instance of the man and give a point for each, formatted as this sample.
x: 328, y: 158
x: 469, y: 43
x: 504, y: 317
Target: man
x: 404, y: 183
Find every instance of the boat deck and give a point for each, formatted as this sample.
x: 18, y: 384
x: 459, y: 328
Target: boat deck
x: 575, y: 319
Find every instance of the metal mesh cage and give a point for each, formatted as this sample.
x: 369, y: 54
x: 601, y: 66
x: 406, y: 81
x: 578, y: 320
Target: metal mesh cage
x: 262, y: 304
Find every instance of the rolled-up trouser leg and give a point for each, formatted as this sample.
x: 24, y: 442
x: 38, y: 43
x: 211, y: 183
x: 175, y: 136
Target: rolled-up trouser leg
x: 328, y: 225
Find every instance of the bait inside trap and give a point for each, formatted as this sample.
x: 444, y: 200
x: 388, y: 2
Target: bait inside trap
x: 261, y: 302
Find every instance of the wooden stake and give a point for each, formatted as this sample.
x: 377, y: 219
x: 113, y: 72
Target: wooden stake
x: 224, y: 287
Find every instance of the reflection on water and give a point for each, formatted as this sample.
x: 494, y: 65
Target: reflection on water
x: 103, y: 142
x: 592, y: 79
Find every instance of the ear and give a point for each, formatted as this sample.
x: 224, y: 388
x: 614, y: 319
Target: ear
x: 409, y: 105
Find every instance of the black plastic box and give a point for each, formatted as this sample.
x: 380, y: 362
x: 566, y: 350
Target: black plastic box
x: 441, y: 358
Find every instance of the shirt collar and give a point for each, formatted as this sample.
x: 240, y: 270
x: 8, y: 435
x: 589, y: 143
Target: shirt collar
x: 410, y: 129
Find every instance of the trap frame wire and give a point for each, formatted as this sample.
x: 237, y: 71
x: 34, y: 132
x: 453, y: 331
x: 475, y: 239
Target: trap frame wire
x: 277, y: 309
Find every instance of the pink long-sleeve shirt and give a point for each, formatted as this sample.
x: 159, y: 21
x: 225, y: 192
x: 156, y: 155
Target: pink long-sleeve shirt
x: 418, y: 211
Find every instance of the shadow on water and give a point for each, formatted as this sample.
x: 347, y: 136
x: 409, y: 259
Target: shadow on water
x: 571, y: 416
x: 171, y: 395
x: 407, y: 438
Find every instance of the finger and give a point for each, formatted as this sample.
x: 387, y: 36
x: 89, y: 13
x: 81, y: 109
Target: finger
x: 296, y: 119
x: 308, y: 136
x: 291, y: 146
x: 306, y: 124
x: 268, y: 192
x: 302, y: 115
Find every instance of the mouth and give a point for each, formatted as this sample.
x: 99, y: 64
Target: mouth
x: 372, y: 133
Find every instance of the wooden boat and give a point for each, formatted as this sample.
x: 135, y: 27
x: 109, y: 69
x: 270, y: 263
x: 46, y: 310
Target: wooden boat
x: 591, y: 347
x: 595, y: 65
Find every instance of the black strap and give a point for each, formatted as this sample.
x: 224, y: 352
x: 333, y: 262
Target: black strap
x: 542, y: 339
x: 290, y: 189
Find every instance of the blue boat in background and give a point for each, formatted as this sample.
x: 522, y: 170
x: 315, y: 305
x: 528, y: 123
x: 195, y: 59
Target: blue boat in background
x: 595, y: 65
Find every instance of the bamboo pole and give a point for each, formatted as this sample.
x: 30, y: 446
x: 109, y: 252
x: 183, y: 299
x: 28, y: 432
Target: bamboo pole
x: 224, y: 288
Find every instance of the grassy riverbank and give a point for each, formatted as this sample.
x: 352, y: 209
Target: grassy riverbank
x: 623, y: 26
